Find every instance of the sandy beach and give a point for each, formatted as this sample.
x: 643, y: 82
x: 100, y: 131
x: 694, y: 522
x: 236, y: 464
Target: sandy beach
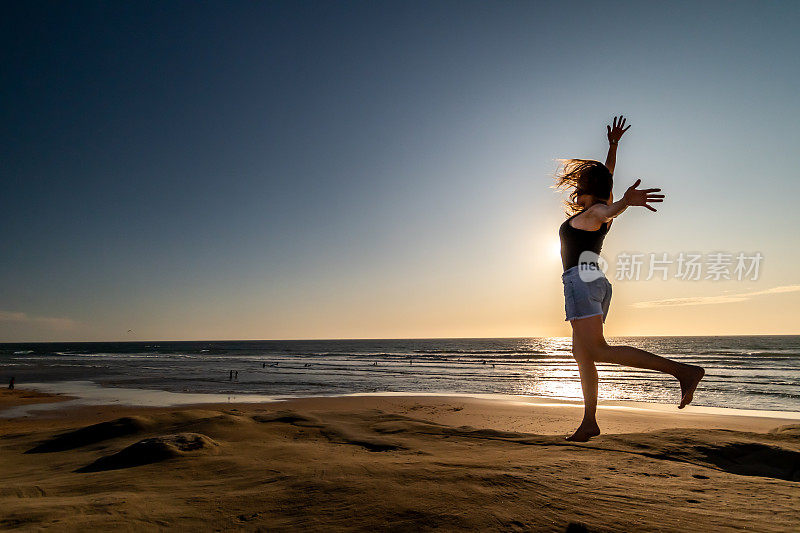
x: 396, y: 463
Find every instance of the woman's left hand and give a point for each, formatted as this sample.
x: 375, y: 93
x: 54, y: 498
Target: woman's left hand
x: 642, y: 197
x: 615, y: 132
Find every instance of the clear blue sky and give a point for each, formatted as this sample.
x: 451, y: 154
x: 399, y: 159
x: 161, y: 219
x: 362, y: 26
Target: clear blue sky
x: 196, y: 170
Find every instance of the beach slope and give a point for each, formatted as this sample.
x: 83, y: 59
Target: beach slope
x: 397, y: 463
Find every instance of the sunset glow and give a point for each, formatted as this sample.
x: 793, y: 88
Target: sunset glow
x: 405, y: 192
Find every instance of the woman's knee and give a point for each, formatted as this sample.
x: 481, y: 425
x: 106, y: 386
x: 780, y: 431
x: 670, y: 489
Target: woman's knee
x: 581, y: 353
x: 589, y: 349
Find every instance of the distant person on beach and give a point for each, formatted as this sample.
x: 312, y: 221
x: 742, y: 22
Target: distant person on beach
x: 587, y: 292
x: 230, y: 377
x: 11, y: 383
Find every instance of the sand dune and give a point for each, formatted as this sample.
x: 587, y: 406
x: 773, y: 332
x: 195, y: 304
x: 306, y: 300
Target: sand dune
x: 397, y: 464
x: 154, y: 450
x: 95, y: 433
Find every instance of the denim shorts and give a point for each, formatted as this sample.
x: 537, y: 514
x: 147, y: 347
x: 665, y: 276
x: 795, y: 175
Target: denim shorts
x: 583, y: 299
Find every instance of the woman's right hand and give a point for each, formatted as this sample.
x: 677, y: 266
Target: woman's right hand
x: 642, y: 197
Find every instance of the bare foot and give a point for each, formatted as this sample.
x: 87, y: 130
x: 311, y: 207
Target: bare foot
x: 585, y: 432
x: 689, y: 383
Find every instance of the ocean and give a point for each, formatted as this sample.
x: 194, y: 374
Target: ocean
x: 746, y: 372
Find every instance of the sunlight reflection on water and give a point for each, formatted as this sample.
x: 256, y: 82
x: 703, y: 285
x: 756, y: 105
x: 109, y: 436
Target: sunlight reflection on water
x: 743, y: 372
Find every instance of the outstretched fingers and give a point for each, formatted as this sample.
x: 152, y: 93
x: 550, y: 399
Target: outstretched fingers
x: 617, y: 128
x: 653, y: 198
x: 643, y: 197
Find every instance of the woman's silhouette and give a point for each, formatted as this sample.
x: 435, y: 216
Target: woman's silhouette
x: 587, y: 292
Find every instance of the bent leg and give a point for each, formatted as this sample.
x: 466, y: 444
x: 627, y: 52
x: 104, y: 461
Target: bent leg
x: 688, y: 375
x: 630, y: 356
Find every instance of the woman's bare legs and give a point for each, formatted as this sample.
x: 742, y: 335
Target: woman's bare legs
x: 590, y: 347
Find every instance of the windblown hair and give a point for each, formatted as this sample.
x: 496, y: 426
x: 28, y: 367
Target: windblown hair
x: 583, y: 176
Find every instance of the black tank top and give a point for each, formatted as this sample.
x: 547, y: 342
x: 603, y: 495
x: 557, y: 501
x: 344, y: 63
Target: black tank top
x: 575, y: 241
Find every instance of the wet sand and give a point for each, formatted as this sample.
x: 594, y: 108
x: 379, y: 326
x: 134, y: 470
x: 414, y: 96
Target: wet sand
x: 397, y: 463
x: 19, y: 397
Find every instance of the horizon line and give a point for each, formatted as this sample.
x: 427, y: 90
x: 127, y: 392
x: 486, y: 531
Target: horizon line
x: 389, y: 339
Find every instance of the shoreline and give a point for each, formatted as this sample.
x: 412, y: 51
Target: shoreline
x: 508, y: 413
x: 57, y: 396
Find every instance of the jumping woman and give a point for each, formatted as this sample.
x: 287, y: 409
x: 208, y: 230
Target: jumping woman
x: 587, y: 292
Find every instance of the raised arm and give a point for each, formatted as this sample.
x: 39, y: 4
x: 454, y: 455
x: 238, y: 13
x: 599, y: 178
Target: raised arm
x: 632, y: 197
x: 614, y: 135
